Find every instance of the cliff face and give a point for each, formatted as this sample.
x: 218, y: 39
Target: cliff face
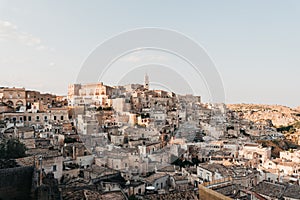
x: 279, y: 115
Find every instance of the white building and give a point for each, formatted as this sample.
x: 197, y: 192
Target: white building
x: 290, y: 155
x: 253, y: 151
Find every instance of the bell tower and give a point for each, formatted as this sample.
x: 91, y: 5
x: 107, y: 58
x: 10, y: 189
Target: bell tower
x: 146, y: 82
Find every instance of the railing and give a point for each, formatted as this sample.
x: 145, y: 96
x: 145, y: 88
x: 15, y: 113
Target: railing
x: 217, y: 182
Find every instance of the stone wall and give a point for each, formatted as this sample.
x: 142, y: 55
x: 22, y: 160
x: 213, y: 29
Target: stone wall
x: 208, y: 194
x: 16, y: 183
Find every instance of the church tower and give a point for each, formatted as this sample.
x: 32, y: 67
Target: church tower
x: 146, y: 82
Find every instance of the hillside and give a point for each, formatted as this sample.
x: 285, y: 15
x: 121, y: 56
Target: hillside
x: 279, y: 115
x: 278, y: 145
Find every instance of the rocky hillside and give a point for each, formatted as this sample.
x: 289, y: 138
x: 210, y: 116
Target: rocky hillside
x: 279, y: 115
x: 277, y: 146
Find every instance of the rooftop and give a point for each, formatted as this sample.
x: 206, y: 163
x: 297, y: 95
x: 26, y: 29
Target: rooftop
x: 155, y: 176
x: 224, y: 171
x: 180, y: 178
x: 269, y: 189
x: 169, y: 168
x: 101, y: 170
x: 292, y: 191
x: 182, y: 195
x: 113, y: 195
x: 45, y: 153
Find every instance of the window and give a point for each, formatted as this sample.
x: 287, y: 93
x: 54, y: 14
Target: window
x: 54, y: 117
x: 24, y: 118
x: 207, y: 177
x: 54, y: 168
x: 62, y: 118
x: 37, y: 118
x: 29, y: 118
x: 45, y: 118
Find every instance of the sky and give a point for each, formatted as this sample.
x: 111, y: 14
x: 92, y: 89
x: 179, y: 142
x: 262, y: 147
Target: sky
x: 255, y: 45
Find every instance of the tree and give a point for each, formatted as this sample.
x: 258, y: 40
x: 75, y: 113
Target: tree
x: 11, y: 149
x: 195, y: 161
x: 132, y: 197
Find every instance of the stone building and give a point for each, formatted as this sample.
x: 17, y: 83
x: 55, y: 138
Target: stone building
x: 58, y: 115
x: 35, y: 96
x: 97, y: 92
x: 121, y: 105
x: 212, y: 172
x: 158, y: 181
x: 255, y: 153
x: 13, y: 97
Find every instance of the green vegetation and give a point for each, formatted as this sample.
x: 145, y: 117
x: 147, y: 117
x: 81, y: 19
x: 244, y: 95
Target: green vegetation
x: 285, y: 129
x: 196, y: 161
x: 289, y: 129
x: 297, y: 125
x: 11, y: 149
x: 278, y: 145
x: 181, y: 162
x: 132, y: 197
x: 70, y: 140
x: 104, y: 108
x: 4, y: 164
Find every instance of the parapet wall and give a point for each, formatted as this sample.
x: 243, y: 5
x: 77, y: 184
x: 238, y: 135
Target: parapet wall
x: 209, y: 194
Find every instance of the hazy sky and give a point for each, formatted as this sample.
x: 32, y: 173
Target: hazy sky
x: 254, y: 44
